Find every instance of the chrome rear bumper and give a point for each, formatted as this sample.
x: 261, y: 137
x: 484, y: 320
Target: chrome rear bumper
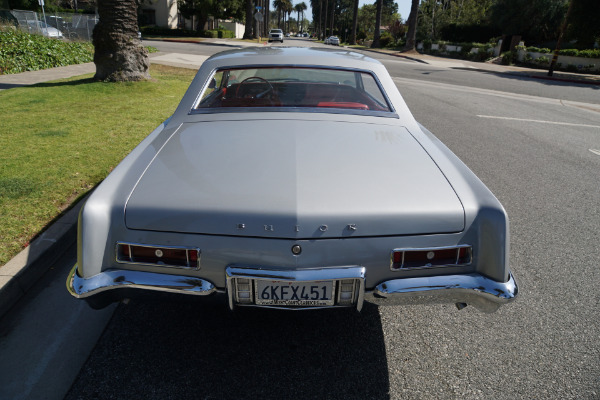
x: 114, y: 279
x: 483, y: 293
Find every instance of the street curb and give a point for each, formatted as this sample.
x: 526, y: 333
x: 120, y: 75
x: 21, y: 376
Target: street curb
x: 204, y: 42
x: 552, y: 78
x: 26, y: 268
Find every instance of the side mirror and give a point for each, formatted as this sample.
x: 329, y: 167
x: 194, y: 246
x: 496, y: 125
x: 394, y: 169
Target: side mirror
x: 212, y: 84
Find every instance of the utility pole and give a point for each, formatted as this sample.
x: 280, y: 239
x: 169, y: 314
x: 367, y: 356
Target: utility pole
x: 41, y: 3
x: 560, y: 36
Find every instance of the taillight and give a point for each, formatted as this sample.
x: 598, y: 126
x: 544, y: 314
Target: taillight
x: 181, y: 257
x: 432, y: 257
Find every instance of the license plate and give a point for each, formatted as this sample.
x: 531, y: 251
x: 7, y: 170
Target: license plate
x: 284, y: 293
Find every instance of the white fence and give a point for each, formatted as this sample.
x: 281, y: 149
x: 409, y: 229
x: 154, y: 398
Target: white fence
x: 58, y: 25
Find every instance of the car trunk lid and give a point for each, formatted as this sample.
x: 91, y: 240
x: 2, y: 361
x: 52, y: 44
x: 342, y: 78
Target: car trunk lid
x: 294, y: 179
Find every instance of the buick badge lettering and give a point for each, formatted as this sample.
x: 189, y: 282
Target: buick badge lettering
x: 323, y: 228
x: 351, y: 227
x: 269, y: 228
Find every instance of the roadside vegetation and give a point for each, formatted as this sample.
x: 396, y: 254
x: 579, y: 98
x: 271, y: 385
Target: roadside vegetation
x: 20, y: 52
x: 60, y: 139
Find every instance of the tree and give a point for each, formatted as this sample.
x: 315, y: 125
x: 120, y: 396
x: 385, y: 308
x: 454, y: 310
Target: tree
x: 249, y: 20
x: 202, y: 9
x: 119, y: 54
x: 536, y: 21
x: 354, y: 22
x: 377, y: 32
x: 300, y: 8
x: 583, y: 24
x: 411, y: 36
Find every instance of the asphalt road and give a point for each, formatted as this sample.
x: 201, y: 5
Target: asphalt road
x: 533, y: 150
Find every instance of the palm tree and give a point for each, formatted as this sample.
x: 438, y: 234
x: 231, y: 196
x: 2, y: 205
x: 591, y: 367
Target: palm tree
x: 411, y: 36
x: 279, y: 4
x: 300, y: 8
x: 289, y: 9
x: 249, y: 20
x: 119, y: 55
x: 377, y: 33
x: 354, y: 23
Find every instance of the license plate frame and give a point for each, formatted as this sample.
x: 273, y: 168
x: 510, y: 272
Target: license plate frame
x: 294, y: 293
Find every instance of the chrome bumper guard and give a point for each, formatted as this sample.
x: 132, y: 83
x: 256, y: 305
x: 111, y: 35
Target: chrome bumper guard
x: 350, y: 276
x: 113, y: 279
x: 483, y: 293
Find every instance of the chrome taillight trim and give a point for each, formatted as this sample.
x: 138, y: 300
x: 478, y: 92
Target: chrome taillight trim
x: 195, y: 266
x: 456, y: 263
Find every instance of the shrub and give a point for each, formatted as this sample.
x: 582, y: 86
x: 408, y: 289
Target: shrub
x: 386, y: 39
x: 427, y: 44
x: 569, y: 52
x: 223, y: 33
x: 595, y: 53
x: 508, y: 57
x: 571, y: 68
x: 20, y: 52
x: 154, y: 30
x: 538, y: 50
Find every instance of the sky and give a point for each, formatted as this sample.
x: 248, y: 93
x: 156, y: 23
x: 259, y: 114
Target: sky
x: 403, y: 7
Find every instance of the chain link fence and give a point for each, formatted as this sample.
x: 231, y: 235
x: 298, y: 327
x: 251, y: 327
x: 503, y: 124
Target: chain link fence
x: 57, y: 25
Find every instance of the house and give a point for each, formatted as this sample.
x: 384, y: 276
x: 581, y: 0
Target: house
x: 165, y: 14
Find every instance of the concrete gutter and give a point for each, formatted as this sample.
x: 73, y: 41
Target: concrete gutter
x: 23, y: 271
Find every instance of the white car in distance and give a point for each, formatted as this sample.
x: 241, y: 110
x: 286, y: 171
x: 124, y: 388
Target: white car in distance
x: 275, y: 35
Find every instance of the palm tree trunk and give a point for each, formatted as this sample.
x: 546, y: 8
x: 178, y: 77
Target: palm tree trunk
x: 249, y: 20
x: 119, y: 54
x: 377, y: 33
x: 354, y: 23
x: 411, y: 36
x: 325, y: 19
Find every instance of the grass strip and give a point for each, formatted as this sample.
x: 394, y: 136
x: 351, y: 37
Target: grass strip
x: 59, y: 139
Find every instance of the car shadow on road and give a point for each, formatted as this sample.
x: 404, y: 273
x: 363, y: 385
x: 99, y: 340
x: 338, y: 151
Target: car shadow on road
x: 176, y: 350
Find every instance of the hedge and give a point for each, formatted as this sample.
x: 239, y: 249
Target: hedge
x: 592, y: 53
x: 20, y: 52
x: 154, y: 30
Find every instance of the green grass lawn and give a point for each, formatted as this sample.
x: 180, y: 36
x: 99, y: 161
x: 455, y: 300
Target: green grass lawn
x: 60, y: 139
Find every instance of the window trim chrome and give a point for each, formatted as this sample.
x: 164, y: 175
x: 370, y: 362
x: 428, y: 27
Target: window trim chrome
x: 195, y: 110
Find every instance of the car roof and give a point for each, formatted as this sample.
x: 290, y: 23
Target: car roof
x: 294, y: 56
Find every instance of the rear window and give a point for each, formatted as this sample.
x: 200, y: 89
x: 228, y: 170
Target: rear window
x: 284, y: 87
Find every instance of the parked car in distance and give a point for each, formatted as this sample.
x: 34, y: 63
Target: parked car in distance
x: 275, y: 35
x: 294, y: 178
x: 44, y: 29
x: 305, y: 34
x: 333, y: 40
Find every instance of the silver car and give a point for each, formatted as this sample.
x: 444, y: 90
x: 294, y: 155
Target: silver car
x: 294, y: 178
x: 333, y: 40
x: 275, y: 34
